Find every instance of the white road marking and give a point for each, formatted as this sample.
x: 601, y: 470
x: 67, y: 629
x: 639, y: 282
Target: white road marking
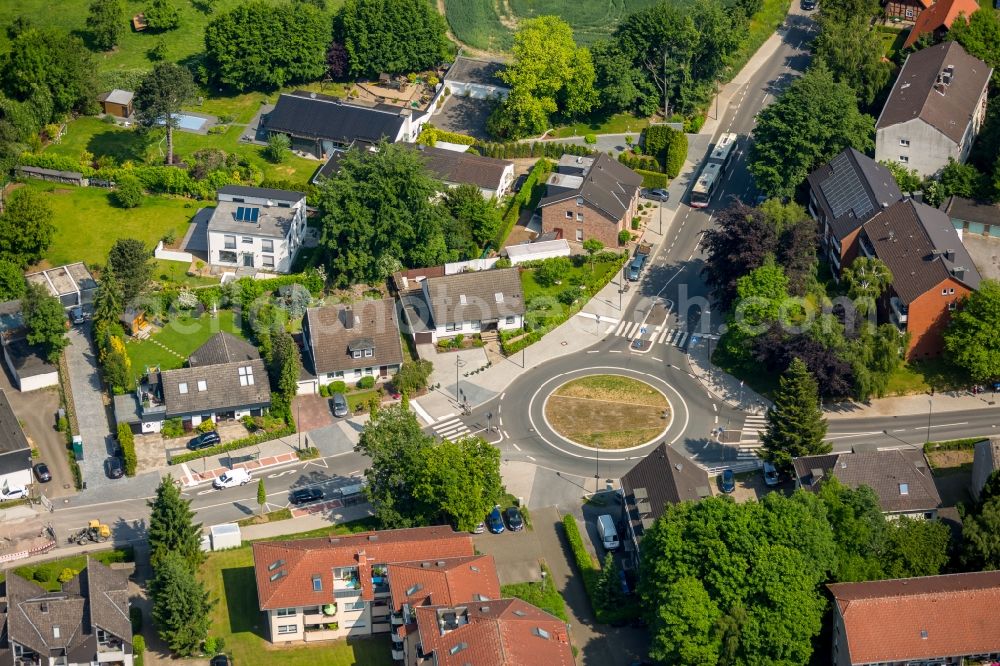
x: 515, y: 446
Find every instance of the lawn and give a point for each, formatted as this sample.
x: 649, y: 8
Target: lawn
x: 229, y: 578
x: 892, y: 39
x: 176, y: 272
x: 46, y: 573
x: 542, y: 594
x: 476, y: 23
x: 576, y: 275
x: 87, y: 225
x: 591, y: 19
x: 182, y: 334
x: 618, y: 123
x: 921, y: 376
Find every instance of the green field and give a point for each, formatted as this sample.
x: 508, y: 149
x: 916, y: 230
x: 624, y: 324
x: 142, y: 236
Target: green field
x: 170, y: 347
x: 87, y: 225
x: 476, y: 23
x: 591, y: 19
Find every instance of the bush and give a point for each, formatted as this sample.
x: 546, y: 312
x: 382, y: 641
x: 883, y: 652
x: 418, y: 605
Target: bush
x: 502, y: 262
x: 138, y: 645
x: 127, y: 441
x: 653, y: 180
x: 236, y: 444
x: 430, y: 135
x: 127, y: 192
x: 635, y: 223
x: 624, y: 236
x: 135, y: 615
x: 66, y: 575
x: 337, y: 387
x: 590, y: 138
x: 366, y: 382
x: 324, y: 390
x: 552, y: 270
x: 677, y: 149
x: 590, y: 573
x: 172, y: 428
x: 206, y: 426
x: 62, y: 425
x: 412, y: 376
x: 278, y: 148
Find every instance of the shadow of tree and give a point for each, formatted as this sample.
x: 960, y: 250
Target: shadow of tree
x: 240, y: 588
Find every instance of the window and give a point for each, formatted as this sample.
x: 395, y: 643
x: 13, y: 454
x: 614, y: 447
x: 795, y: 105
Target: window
x: 579, y: 201
x: 355, y: 606
x: 909, y: 13
x: 569, y: 215
x: 227, y: 257
x: 952, y: 305
x: 905, y: 143
x: 202, y: 385
x: 102, y: 636
x: 904, y: 159
x: 944, y: 292
x: 579, y: 217
x: 267, y: 260
x: 55, y: 632
x: 510, y: 320
x: 368, y: 371
x: 369, y: 353
x: 267, y: 245
x: 579, y: 235
x: 230, y: 242
x: 239, y: 200
x: 247, y: 240
x: 356, y: 353
x: 452, y: 326
x: 317, y: 584
x: 951, y: 290
x: 477, y: 325
x: 182, y: 388
x: 286, y: 612
x: 246, y: 376
x: 288, y: 628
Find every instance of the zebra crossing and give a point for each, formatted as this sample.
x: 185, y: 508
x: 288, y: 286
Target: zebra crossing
x: 661, y: 335
x: 451, y: 429
x: 753, y: 426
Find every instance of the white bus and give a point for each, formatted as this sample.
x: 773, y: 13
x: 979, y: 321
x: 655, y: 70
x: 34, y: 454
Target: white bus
x: 711, y: 174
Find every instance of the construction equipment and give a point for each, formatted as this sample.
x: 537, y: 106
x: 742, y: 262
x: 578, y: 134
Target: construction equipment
x: 95, y: 531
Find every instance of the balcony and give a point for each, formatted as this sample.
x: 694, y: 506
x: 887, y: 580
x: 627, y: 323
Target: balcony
x: 900, y: 312
x: 398, y: 655
x: 866, y: 246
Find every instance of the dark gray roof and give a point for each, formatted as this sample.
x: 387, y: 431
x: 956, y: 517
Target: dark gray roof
x: 261, y: 192
x: 913, y: 240
x: 107, y: 593
x: 901, y: 478
x: 851, y: 188
x: 608, y: 185
x: 28, y: 360
x: 452, y: 166
x: 970, y: 210
x: 480, y: 295
x: 375, y: 327
x: 664, y: 477
x: 11, y: 320
x: 919, y: 91
x: 15, y: 453
x: 300, y: 115
x: 471, y: 70
x: 223, y: 347
x: 224, y: 389
x: 72, y: 175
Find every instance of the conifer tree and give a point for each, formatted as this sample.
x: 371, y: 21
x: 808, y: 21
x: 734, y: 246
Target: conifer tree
x: 181, y: 605
x: 172, y: 527
x: 795, y: 425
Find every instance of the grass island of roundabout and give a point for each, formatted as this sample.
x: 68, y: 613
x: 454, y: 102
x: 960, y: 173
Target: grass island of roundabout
x: 608, y: 411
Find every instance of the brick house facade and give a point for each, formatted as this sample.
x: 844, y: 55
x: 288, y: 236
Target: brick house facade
x: 928, y: 316
x: 575, y: 220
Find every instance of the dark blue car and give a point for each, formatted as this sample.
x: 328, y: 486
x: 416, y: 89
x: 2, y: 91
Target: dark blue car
x: 494, y: 521
x: 727, y: 482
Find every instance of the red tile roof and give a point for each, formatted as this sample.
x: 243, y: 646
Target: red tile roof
x: 448, y: 582
x: 509, y: 632
x: 285, y: 569
x: 940, y: 15
x: 920, y: 618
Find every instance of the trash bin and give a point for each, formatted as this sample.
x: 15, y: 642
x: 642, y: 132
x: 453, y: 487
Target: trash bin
x: 78, y: 447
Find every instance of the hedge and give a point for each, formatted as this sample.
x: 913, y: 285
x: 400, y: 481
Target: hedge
x: 677, y: 150
x: 522, y: 199
x: 548, y: 149
x: 953, y: 445
x: 653, y: 180
x: 234, y: 445
x: 590, y: 572
x: 127, y: 441
x: 637, y: 162
x: 430, y: 135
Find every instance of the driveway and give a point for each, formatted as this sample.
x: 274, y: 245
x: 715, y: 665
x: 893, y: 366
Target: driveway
x: 312, y: 412
x: 464, y: 115
x: 88, y: 402
x: 36, y: 412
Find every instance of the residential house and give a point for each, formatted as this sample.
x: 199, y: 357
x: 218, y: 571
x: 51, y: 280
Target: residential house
x: 979, y: 218
x: 476, y: 79
x: 225, y: 380
x: 931, y: 271
x: 845, y: 193
x: 537, y: 250
x: 256, y: 227
x: 320, y: 124
x: 937, y: 20
x: 466, y: 304
x: 493, y: 177
x: 905, y: 11
x: 85, y: 623
x: 929, y: 620
x: 662, y: 478
x: 117, y: 103
x: 427, y: 586
x: 15, y: 452
x: 985, y: 461
x: 935, y: 109
x: 27, y: 364
x: 900, y: 478
x: 72, y: 284
x: 590, y: 197
x: 346, y: 343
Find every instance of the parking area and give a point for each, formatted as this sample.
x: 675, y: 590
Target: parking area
x: 464, y: 115
x: 516, y: 554
x: 312, y: 412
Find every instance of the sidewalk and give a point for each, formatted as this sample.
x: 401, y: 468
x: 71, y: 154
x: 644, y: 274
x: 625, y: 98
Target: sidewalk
x: 723, y: 385
x: 909, y: 405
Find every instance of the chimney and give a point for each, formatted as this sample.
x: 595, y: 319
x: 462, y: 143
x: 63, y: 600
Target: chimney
x: 347, y: 318
x: 949, y: 254
x: 406, y: 283
x: 918, y: 196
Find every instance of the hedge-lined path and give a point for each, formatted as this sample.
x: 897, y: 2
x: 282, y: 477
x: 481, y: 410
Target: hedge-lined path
x: 88, y: 404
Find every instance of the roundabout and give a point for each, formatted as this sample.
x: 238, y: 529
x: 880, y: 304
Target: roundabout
x: 609, y: 412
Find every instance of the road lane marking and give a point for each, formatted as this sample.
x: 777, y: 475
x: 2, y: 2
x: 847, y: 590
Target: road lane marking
x: 515, y: 446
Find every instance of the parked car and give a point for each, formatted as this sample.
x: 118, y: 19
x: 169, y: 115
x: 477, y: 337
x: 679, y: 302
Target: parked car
x: 808, y: 5
x: 515, y: 521
x: 76, y: 315
x: 727, y: 482
x: 232, y: 478
x: 494, y: 521
x: 338, y: 405
x: 205, y: 440
x: 13, y: 493
x: 114, y: 467
x: 220, y: 660
x: 638, y: 261
x: 479, y: 529
x: 656, y: 195
x: 519, y: 183
x: 42, y: 472
x: 771, y: 477
x: 306, y: 495
x: 608, y: 532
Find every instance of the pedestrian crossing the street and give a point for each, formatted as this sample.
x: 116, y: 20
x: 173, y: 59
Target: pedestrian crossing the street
x: 753, y: 426
x: 451, y: 429
x: 661, y: 335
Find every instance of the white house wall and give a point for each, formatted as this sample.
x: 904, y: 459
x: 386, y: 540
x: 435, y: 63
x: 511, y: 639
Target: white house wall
x: 928, y: 149
x: 467, y: 328
x: 476, y: 90
x: 283, y: 257
x: 19, y: 479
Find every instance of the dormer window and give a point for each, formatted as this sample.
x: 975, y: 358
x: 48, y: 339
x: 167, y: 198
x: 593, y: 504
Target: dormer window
x: 317, y: 584
x: 356, y: 353
x: 246, y: 376
x: 369, y: 353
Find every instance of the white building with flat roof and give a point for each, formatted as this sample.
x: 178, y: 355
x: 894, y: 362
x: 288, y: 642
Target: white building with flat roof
x: 256, y: 227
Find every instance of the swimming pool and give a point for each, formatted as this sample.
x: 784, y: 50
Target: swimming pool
x: 187, y: 122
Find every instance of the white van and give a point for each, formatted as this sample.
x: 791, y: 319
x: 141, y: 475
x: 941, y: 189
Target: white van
x: 609, y: 535
x: 232, y: 478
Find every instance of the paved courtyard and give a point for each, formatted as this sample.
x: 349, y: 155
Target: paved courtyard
x: 464, y: 115
x: 91, y: 413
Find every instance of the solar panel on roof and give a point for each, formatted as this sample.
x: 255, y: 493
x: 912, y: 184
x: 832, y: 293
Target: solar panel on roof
x: 254, y: 214
x: 844, y: 191
x: 239, y: 213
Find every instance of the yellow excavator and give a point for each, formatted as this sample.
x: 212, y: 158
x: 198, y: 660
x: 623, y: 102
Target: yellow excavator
x: 95, y: 531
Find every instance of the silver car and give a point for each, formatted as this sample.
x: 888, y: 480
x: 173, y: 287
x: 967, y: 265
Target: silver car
x: 771, y: 477
x: 338, y: 403
x: 656, y: 195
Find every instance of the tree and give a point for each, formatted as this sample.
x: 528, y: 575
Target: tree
x: 908, y: 180
x: 12, y: 283
x: 844, y: 10
x: 866, y: 279
x: 128, y: 192
x: 285, y: 364
x: 161, y: 15
x: 979, y: 35
x: 981, y: 537
x: 623, y: 86
x: 476, y: 217
x: 875, y: 355
x: 549, y: 73
x: 278, y: 147
x: 462, y: 479
x: 380, y: 205
x: 689, y: 619
x: 45, y: 320
x: 172, y: 529
x: 592, y: 246
x: 916, y: 547
x: 795, y: 425
x: 797, y: 254
x: 115, y: 363
x: 130, y: 260
x: 51, y: 61
x: 181, y: 605
x: 337, y: 61
x: 855, y: 54
x: 26, y: 228
x: 812, y: 121
x: 392, y: 36
x: 775, y: 351
x: 160, y: 96
x: 412, y: 376
x: 962, y: 180
x: 109, y: 300
x: 739, y: 242
x: 106, y: 21
x: 608, y: 592
x: 261, y: 495
x: 972, y: 338
x: 552, y: 270
x: 762, y: 292
x: 859, y: 530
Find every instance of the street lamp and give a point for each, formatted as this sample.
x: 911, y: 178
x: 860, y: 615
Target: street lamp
x: 489, y: 422
x: 661, y: 218
x: 458, y: 392
x: 298, y: 422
